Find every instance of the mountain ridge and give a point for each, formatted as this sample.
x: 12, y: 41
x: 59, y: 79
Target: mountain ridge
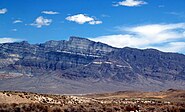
x: 80, y: 65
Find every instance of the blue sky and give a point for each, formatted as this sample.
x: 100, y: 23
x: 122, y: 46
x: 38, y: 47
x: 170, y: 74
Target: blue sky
x: 141, y: 24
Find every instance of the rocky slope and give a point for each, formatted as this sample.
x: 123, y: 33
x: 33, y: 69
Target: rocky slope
x: 82, y: 66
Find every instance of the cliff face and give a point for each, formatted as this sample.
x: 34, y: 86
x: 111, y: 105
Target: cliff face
x: 132, y: 65
x: 79, y: 46
x: 86, y: 62
x: 52, y: 55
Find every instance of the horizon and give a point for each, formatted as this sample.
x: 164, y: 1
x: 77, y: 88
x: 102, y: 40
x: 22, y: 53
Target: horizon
x: 138, y: 24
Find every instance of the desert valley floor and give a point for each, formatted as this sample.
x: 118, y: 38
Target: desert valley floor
x: 123, y: 101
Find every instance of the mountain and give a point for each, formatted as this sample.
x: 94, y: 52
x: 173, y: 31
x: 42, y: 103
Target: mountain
x: 80, y: 65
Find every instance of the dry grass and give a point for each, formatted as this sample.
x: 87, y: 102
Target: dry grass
x: 109, y: 102
x: 38, y: 107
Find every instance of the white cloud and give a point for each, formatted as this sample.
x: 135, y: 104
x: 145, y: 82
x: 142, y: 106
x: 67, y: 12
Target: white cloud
x: 40, y: 21
x: 14, y: 30
x: 17, y: 21
x: 3, y: 11
x: 160, y: 36
x: 172, y: 47
x: 8, y: 40
x: 95, y: 22
x: 81, y: 19
x: 50, y: 12
x: 131, y: 3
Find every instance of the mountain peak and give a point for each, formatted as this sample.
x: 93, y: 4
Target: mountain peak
x: 79, y: 41
x: 75, y: 38
x: 78, y: 45
x: 86, y: 46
